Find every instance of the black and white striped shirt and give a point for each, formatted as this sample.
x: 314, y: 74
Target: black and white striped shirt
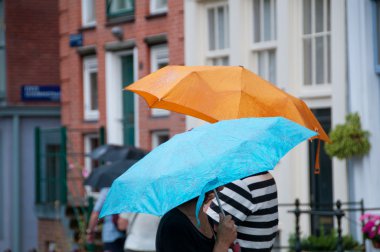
x: 252, y: 203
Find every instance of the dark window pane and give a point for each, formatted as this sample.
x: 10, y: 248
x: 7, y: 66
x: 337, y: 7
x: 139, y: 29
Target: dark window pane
x: 94, y: 91
x: 119, y: 6
x: 52, y: 185
x: 272, y: 66
x: 306, y: 16
x: 318, y: 15
x: 267, y: 20
x: 256, y: 21
x: 319, y: 60
x: 328, y: 59
x: 307, y: 62
x: 211, y: 29
x: 328, y: 15
x: 221, y: 28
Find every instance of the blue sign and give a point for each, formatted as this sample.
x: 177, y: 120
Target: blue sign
x: 76, y: 40
x: 41, y: 93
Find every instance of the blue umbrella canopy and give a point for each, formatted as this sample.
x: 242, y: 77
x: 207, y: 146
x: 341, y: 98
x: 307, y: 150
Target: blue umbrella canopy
x: 200, y: 160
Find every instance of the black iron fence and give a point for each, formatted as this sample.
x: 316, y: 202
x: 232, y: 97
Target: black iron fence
x: 337, y: 210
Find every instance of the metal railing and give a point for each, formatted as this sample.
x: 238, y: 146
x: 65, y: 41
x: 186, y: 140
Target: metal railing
x: 338, y: 211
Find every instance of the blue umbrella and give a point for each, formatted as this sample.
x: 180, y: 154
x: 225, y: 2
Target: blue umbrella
x: 200, y: 160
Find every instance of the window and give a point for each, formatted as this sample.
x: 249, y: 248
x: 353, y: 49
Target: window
x: 50, y: 176
x: 316, y: 42
x: 158, y: 6
x: 91, y: 141
x: 159, y: 137
x: 90, y: 80
x: 117, y: 8
x: 159, y: 57
x: 264, y: 38
x: 88, y: 13
x: 51, y: 166
x: 377, y: 35
x: 2, y: 52
x: 217, y: 35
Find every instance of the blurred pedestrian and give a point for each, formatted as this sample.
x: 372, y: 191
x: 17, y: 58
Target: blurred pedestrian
x: 141, y: 232
x: 252, y: 203
x: 113, y: 239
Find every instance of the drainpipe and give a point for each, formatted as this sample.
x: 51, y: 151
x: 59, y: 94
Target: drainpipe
x: 16, y: 175
x: 349, y: 162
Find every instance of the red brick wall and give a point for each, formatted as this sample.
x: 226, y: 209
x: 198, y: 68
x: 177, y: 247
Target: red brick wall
x: 71, y: 62
x: 31, y: 46
x: 71, y: 72
x: 52, y: 231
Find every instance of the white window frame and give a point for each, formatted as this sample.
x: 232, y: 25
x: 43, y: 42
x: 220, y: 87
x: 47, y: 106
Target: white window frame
x: 154, y: 10
x: 155, y: 136
x: 263, y: 46
x: 217, y: 53
x: 90, y: 65
x: 324, y: 34
x: 88, y: 149
x: 159, y: 54
x: 86, y: 13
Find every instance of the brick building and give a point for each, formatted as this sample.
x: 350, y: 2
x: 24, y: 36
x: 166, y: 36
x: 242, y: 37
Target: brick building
x: 104, y: 46
x: 29, y: 98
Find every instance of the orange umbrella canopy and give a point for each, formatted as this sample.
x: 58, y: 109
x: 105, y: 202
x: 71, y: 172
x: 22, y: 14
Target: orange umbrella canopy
x: 214, y: 93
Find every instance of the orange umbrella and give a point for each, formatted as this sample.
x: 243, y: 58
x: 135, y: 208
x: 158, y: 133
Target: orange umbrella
x: 214, y: 93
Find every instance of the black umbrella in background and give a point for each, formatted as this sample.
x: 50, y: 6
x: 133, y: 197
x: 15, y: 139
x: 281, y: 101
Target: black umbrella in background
x: 112, y: 153
x: 104, y: 175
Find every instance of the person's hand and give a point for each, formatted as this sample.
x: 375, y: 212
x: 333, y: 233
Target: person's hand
x: 90, y: 237
x: 226, y: 233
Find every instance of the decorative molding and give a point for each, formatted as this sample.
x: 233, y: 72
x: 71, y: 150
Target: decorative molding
x: 86, y: 50
x: 156, y: 39
x: 31, y: 111
x: 156, y: 15
x: 119, y: 46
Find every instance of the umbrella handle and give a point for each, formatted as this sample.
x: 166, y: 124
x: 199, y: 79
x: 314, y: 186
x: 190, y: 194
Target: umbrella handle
x: 220, y: 205
x: 235, y: 246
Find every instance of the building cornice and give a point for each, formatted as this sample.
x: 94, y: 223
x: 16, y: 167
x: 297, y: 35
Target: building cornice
x: 30, y: 111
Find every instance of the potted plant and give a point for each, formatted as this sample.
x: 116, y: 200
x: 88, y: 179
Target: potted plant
x: 325, y: 242
x: 371, y: 228
x: 348, y: 139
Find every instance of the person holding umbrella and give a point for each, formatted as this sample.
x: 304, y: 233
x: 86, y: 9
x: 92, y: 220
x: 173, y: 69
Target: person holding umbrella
x: 252, y: 203
x: 180, y: 231
x: 201, y: 160
x: 113, y: 239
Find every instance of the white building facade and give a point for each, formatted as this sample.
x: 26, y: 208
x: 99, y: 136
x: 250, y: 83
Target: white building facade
x: 363, y: 67
x: 300, y: 45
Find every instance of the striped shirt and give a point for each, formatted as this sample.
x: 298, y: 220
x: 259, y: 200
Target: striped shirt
x: 252, y: 203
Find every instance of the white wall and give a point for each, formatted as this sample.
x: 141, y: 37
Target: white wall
x: 364, y: 97
x: 292, y: 174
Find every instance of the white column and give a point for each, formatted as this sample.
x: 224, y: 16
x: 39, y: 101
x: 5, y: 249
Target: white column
x: 339, y: 90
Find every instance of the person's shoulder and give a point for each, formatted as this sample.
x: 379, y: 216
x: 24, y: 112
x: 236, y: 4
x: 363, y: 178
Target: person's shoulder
x: 173, y: 220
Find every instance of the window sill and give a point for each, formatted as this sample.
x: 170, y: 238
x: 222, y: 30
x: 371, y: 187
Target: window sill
x: 119, y: 20
x: 159, y: 116
x: 87, y: 28
x: 156, y: 15
x: 49, y: 211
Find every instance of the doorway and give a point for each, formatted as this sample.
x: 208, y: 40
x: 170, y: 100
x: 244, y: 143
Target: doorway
x: 321, y: 186
x: 128, y: 101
